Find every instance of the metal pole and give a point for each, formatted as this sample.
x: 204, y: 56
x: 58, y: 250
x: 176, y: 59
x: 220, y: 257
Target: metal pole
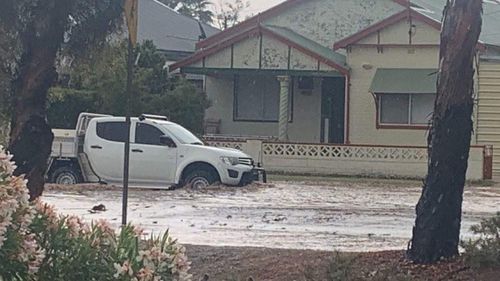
x: 126, y: 155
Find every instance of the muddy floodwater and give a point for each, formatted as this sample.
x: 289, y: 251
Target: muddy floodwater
x: 280, y: 215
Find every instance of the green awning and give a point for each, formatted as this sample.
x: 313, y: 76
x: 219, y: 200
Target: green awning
x: 404, y: 81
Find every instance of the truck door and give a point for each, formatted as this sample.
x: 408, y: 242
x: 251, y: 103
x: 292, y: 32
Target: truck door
x: 150, y: 162
x: 105, y: 149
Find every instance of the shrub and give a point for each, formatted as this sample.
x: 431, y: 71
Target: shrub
x: 485, y: 250
x: 341, y: 267
x: 38, y: 244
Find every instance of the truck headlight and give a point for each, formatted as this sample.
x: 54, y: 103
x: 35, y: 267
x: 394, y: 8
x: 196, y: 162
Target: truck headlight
x: 231, y: 161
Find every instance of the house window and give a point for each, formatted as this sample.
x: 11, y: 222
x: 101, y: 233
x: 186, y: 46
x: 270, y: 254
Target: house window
x: 257, y: 98
x: 405, y: 109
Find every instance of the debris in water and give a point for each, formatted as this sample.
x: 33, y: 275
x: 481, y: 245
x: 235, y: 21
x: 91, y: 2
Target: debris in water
x: 97, y: 208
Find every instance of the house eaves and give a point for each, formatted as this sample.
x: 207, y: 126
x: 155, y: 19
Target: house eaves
x: 286, y: 36
x: 408, y: 14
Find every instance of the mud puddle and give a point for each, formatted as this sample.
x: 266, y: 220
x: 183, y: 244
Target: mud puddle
x: 280, y: 215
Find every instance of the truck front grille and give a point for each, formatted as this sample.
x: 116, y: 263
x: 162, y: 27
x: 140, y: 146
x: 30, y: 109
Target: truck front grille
x: 245, y: 161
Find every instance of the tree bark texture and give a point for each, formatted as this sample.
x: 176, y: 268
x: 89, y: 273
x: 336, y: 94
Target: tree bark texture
x: 30, y: 136
x: 437, y: 227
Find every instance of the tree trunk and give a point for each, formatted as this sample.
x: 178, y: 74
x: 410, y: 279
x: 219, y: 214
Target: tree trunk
x: 437, y: 227
x: 30, y: 136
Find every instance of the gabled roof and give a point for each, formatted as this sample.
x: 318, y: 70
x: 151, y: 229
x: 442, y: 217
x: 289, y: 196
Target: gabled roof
x: 284, y: 35
x: 249, y: 23
x: 431, y: 9
x: 306, y: 45
x: 406, y: 14
x: 490, y: 33
x: 169, y: 30
x: 414, y: 12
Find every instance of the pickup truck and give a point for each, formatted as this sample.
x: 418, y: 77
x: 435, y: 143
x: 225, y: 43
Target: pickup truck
x: 163, y: 154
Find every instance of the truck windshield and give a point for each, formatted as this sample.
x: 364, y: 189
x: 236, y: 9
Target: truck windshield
x: 182, y: 135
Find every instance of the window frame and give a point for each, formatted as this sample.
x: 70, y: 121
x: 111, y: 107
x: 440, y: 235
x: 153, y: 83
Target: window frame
x: 109, y: 122
x: 235, y: 103
x: 138, y: 124
x: 409, y: 126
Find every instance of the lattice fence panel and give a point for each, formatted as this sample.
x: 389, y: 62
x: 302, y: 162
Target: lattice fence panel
x: 344, y: 152
x: 226, y: 144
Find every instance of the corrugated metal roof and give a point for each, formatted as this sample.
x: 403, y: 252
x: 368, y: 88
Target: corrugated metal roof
x: 404, y: 81
x: 491, y: 17
x: 169, y: 30
x: 308, y: 44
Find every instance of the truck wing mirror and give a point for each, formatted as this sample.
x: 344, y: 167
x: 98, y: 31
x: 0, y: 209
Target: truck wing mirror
x: 167, y: 141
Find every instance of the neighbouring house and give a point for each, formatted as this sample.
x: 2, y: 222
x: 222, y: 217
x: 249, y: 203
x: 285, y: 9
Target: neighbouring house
x: 174, y: 34
x: 357, y: 76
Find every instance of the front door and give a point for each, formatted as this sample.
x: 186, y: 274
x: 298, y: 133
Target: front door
x: 150, y: 162
x: 333, y: 110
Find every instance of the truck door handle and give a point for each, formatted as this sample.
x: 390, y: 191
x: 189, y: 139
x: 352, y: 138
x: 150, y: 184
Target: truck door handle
x: 96, y: 147
x: 137, y: 150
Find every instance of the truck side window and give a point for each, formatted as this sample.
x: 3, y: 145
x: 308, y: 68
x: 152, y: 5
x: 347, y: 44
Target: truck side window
x: 112, y: 131
x: 147, y: 134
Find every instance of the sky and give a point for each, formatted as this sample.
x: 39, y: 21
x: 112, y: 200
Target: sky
x: 257, y: 6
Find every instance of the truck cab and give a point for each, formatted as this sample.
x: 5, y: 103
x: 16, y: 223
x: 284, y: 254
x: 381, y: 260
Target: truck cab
x: 162, y: 154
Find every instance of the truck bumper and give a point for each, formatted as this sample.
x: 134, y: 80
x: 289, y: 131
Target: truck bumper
x: 241, y: 175
x: 256, y: 174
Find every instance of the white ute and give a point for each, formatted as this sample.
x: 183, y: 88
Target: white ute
x: 162, y: 154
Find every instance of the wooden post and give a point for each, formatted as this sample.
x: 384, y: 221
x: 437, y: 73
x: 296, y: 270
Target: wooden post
x: 488, y: 162
x: 436, y: 232
x: 284, y: 105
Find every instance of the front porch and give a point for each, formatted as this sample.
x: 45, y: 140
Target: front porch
x: 272, y: 83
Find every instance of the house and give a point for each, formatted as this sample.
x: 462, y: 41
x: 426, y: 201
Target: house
x: 174, y: 34
x: 345, y: 72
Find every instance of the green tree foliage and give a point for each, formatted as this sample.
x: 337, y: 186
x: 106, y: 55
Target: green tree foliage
x: 229, y: 12
x: 97, y: 84
x: 33, y: 35
x: 198, y: 9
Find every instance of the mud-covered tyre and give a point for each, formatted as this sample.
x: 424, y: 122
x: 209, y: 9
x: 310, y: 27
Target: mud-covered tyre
x: 66, y: 175
x: 199, y: 179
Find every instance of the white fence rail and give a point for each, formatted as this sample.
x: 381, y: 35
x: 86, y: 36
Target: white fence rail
x: 362, y: 160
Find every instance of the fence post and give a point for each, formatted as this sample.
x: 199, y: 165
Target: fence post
x: 488, y: 162
x: 254, y: 149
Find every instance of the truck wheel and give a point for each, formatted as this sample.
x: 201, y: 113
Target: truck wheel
x: 199, y: 179
x: 66, y: 176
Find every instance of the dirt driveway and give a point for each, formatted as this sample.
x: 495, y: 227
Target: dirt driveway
x: 340, y: 215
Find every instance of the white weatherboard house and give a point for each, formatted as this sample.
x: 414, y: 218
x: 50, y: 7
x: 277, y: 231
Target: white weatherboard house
x: 346, y: 80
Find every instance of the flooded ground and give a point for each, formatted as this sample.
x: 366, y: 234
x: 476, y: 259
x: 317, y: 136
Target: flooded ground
x: 289, y: 215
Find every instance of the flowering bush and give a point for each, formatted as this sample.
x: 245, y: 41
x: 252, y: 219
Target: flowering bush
x: 38, y: 244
